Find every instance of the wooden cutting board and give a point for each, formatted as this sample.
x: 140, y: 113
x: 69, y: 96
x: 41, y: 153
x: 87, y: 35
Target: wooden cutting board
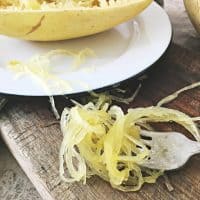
x: 33, y: 135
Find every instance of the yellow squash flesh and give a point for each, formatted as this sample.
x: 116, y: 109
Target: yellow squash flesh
x: 59, y: 24
x: 193, y: 9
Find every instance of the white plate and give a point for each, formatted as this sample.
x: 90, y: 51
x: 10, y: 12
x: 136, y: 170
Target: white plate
x: 122, y: 52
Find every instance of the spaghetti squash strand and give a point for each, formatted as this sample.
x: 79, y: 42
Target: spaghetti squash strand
x: 174, y: 95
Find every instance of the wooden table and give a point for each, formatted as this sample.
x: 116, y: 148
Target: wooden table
x: 33, y: 135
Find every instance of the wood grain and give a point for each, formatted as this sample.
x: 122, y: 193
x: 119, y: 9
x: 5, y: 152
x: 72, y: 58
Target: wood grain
x: 33, y: 135
x: 14, y: 185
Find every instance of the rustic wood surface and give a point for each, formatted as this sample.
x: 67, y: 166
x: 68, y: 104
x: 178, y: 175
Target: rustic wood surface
x: 33, y: 136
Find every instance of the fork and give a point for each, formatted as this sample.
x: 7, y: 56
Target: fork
x: 168, y: 150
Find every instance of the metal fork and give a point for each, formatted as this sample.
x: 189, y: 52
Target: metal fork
x: 169, y: 150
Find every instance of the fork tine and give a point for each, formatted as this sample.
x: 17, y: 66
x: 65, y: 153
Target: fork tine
x: 145, y: 133
x: 152, y: 134
x: 146, y: 142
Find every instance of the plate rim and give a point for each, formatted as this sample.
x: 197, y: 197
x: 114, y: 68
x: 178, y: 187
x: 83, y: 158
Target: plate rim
x: 104, y: 86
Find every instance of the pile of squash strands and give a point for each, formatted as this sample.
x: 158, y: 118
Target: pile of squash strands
x: 100, y: 139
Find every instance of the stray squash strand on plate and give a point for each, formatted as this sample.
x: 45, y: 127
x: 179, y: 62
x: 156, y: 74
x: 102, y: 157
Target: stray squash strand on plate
x: 99, y: 139
x: 40, y: 68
